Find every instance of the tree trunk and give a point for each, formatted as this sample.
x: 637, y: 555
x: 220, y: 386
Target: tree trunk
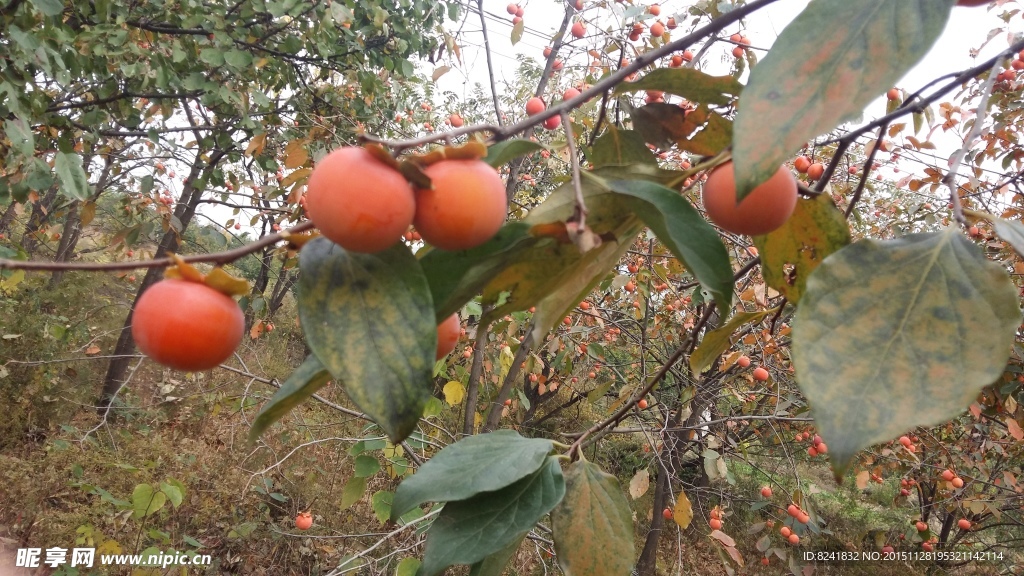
x: 68, y: 239
x: 40, y: 215
x: 191, y: 196
x: 8, y: 218
x: 285, y: 281
x: 259, y: 286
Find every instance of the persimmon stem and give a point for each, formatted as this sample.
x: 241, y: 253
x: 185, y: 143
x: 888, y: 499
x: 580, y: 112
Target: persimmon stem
x: 580, y: 213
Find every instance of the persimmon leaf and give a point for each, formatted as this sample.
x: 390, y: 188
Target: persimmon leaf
x: 891, y: 335
x: 830, y: 62
x: 370, y: 321
x: 684, y: 232
x: 719, y: 340
x: 789, y: 254
x: 456, y: 277
x: 593, y: 526
x: 468, y: 531
x: 689, y: 83
x: 481, y: 463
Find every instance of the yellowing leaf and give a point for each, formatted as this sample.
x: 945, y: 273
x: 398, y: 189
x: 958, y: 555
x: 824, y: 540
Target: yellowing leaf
x: 88, y: 213
x: 683, y: 512
x: 1014, y: 429
x: 454, y: 392
x: 639, y: 484
x: 225, y: 283
x: 789, y: 254
x: 723, y: 538
x: 256, y: 144
x: 438, y: 72
x: 295, y: 154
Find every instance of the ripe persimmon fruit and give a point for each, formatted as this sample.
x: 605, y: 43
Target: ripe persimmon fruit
x: 304, y: 521
x: 187, y: 325
x: 535, y: 106
x: 448, y: 332
x: 358, y: 202
x: 465, y: 207
x: 765, y: 209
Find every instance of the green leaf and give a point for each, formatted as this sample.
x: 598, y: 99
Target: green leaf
x: 684, y: 232
x: 352, y: 492
x: 502, y: 152
x: 689, y: 83
x: 238, y: 58
x: 698, y: 131
x: 826, y: 66
x: 457, y: 277
x: 517, y: 32
x: 620, y: 147
x: 73, y: 181
x: 593, y: 526
x: 366, y: 466
x: 21, y: 136
x: 212, y: 56
x: 494, y: 565
x: 369, y: 319
x: 481, y: 463
x: 381, y: 504
x: 49, y: 7
x: 789, y: 254
x: 146, y: 501
x: 309, y: 377
x: 898, y: 334
x: 468, y: 531
x: 174, y: 493
x: 407, y: 567
x: 719, y: 340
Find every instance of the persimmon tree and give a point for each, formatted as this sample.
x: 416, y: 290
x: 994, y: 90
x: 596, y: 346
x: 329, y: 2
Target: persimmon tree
x: 861, y: 318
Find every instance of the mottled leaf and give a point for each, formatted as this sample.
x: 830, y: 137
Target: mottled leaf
x: 682, y: 514
x: 684, y: 232
x: 719, y: 340
x: 790, y: 253
x: 593, y: 526
x: 309, y: 377
x: 825, y: 67
x: 369, y: 320
x: 892, y: 335
x: 689, y: 83
x: 481, y: 463
x: 468, y: 531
